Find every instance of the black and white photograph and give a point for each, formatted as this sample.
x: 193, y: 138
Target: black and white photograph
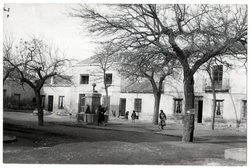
x: 136, y: 83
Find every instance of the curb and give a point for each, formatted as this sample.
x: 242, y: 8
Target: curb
x: 7, y: 138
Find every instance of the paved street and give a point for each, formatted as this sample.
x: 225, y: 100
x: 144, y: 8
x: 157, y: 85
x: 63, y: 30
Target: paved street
x: 63, y: 140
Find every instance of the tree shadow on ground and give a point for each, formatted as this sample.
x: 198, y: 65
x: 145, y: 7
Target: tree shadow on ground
x: 33, y: 137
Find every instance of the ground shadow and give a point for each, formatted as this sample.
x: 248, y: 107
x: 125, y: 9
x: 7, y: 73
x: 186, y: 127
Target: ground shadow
x: 38, y: 137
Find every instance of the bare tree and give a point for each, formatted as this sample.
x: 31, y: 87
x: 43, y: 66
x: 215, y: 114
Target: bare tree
x: 209, y: 68
x: 7, y: 54
x: 150, y: 64
x: 193, y: 34
x: 105, y: 57
x: 34, y: 62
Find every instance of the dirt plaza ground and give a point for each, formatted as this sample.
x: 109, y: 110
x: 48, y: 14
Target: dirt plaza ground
x: 64, y: 141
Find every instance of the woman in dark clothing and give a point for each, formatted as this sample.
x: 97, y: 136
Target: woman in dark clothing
x: 101, y: 112
x: 162, y: 119
x: 133, y: 116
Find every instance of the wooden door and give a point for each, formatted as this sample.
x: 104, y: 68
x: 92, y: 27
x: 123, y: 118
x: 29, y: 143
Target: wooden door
x: 81, y: 103
x: 16, y: 101
x: 122, y: 107
x: 50, y: 103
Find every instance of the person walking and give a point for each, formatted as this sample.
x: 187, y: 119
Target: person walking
x: 126, y: 115
x: 101, y: 112
x: 163, y: 118
x: 133, y: 116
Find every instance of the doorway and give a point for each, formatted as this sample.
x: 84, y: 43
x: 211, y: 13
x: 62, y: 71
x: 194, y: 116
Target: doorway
x: 16, y: 101
x: 198, y: 105
x: 81, y: 103
x: 122, y: 107
x: 50, y: 103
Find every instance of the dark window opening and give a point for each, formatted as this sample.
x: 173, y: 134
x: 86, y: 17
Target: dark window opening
x: 34, y: 100
x: 244, y: 109
x: 177, y: 106
x: 84, y: 79
x: 108, y: 79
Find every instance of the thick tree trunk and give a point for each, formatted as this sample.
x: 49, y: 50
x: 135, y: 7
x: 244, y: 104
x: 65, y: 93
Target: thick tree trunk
x: 157, y: 97
x: 188, y: 117
x: 214, y: 106
x: 39, y: 108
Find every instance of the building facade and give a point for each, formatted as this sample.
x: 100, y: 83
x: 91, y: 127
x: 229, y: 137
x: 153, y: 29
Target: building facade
x: 230, y: 88
x: 87, y: 77
x: 16, y: 96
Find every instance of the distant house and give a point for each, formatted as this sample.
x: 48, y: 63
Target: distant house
x: 231, y: 97
x: 16, y: 96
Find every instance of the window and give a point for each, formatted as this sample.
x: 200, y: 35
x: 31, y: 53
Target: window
x: 137, y: 105
x: 217, y: 76
x: 61, y: 102
x: 43, y: 100
x: 33, y: 99
x: 108, y: 78
x: 219, y: 108
x: 244, y: 109
x: 177, y: 106
x: 84, y: 79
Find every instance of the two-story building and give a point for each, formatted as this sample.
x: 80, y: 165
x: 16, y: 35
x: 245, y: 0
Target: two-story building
x: 230, y: 84
x: 230, y: 89
x: 67, y: 98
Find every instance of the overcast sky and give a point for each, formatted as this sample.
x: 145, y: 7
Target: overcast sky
x: 50, y: 22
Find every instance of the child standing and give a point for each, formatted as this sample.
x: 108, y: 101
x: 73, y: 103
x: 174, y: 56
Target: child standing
x: 133, y: 116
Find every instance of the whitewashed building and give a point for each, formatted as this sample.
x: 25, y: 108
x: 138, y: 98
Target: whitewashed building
x: 70, y: 98
x: 231, y: 97
x: 231, y: 94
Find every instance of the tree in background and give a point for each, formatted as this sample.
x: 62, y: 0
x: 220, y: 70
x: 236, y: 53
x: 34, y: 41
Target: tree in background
x: 150, y: 64
x: 105, y: 57
x: 7, y: 54
x: 212, y: 68
x: 192, y: 34
x: 34, y: 62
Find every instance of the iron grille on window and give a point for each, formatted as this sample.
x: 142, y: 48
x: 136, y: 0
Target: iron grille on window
x: 219, y: 108
x: 177, y: 106
x: 137, y: 105
x: 61, y: 102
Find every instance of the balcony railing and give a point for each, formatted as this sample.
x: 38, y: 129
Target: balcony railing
x: 220, y: 86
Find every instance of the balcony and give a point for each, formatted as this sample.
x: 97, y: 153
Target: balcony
x: 220, y: 86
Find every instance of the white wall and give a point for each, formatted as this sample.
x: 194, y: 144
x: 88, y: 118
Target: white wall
x: 56, y: 92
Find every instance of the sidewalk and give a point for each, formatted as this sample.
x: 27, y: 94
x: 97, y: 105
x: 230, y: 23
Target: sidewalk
x: 201, y: 132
